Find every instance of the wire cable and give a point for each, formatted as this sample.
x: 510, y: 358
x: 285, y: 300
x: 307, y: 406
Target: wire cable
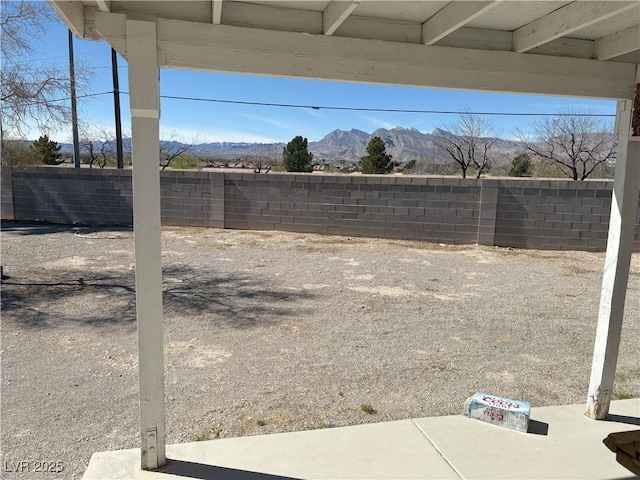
x: 355, y: 109
x: 86, y: 95
x: 389, y: 110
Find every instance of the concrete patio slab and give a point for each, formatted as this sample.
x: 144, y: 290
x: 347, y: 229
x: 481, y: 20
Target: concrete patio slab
x: 562, y: 443
x: 373, y: 451
x: 566, y: 444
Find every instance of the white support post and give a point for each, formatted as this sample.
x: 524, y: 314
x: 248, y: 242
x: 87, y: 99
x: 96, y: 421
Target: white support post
x: 624, y: 208
x: 144, y: 94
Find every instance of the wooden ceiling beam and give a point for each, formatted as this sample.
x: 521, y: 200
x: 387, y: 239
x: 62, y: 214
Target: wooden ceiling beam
x: 216, y: 12
x: 618, y: 43
x: 564, y: 21
x: 451, y: 18
x: 336, y: 13
x: 104, y: 5
x: 73, y: 15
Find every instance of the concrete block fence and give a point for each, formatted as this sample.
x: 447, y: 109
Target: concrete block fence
x: 440, y: 210
x: 520, y: 213
x: 68, y: 196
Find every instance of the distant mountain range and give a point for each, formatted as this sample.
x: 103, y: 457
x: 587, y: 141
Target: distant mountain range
x: 404, y: 144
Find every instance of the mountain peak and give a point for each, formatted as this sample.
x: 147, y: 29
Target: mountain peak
x: 341, y: 138
x: 439, y: 132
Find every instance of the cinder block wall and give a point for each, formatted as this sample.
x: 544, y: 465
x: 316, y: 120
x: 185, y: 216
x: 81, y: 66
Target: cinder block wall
x: 433, y: 209
x: 556, y: 215
x: 192, y: 199
x: 521, y: 213
x: 67, y: 195
x: 6, y: 193
x: 104, y: 197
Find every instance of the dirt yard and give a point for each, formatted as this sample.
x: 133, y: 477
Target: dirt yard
x: 271, y: 332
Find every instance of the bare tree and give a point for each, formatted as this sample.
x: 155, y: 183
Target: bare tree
x: 577, y: 143
x: 89, y: 150
x: 98, y: 146
x: 261, y: 164
x: 170, y: 149
x: 30, y: 94
x: 469, y: 142
x: 262, y: 161
x: 18, y: 154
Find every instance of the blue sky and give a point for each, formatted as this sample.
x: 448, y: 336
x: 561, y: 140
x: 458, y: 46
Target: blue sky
x: 212, y: 121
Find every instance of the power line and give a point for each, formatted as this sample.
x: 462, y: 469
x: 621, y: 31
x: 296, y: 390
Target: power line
x: 357, y: 109
x: 389, y: 110
x: 48, y: 59
x: 86, y: 95
x: 120, y: 67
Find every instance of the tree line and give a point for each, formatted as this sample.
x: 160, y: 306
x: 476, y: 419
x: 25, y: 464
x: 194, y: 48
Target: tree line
x: 575, y: 145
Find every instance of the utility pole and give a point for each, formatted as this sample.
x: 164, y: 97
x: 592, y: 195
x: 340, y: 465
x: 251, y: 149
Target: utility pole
x: 116, y: 107
x: 74, y: 112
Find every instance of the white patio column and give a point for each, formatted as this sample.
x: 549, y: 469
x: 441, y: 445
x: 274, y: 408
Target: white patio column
x: 144, y: 94
x: 624, y: 207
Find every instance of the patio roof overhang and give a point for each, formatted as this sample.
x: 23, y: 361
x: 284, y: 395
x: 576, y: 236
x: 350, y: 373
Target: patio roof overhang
x: 569, y: 48
x: 585, y: 49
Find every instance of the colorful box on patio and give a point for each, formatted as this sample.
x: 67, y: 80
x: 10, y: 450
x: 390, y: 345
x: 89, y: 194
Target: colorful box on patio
x: 504, y: 412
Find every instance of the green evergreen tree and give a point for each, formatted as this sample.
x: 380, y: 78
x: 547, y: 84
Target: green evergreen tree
x: 377, y: 160
x: 296, y: 156
x: 47, y: 151
x: 521, y: 166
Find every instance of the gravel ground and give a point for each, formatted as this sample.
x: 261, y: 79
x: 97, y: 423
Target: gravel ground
x: 273, y: 332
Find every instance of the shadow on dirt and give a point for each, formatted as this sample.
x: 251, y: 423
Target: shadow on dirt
x: 229, y: 301
x: 236, y: 301
x: 44, y: 228
x: 33, y: 228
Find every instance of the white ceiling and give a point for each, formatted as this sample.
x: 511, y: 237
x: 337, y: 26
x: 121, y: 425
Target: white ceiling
x: 437, y: 32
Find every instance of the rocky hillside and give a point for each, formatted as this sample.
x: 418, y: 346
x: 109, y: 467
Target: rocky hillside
x: 404, y: 144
